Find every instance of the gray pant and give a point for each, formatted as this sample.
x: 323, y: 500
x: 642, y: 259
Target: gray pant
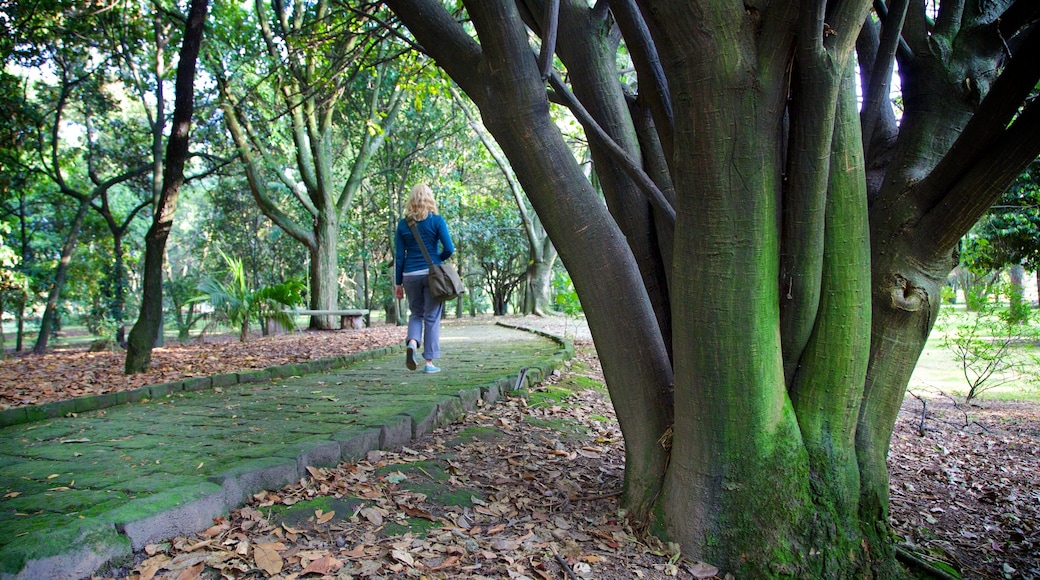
x: 425, y: 319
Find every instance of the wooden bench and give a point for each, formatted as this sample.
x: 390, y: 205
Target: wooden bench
x: 353, y: 318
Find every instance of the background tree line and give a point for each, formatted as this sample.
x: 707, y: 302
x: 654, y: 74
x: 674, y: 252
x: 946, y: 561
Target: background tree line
x: 310, y: 123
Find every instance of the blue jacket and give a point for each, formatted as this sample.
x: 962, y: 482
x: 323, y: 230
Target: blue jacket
x: 408, y: 257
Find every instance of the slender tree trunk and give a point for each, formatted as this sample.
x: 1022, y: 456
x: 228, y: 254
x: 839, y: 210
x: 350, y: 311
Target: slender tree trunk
x: 50, y: 313
x: 20, y: 336
x: 149, y: 323
x: 324, y: 269
x: 119, y: 289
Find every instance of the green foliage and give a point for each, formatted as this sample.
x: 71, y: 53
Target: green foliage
x: 237, y: 303
x: 976, y: 297
x: 983, y: 343
x: 270, y: 302
x: 566, y: 297
x: 1009, y: 233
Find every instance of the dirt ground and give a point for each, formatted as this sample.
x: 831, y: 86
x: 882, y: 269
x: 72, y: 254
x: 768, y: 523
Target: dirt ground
x: 534, y: 484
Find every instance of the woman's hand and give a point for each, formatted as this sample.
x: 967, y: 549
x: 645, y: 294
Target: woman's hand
x: 398, y: 291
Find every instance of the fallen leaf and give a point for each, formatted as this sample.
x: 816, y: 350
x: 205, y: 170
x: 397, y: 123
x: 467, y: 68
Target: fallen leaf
x: 324, y: 518
x: 267, y: 558
x: 194, y: 547
x: 192, y: 573
x: 701, y: 570
x: 403, y: 557
x: 373, y: 515
x: 323, y: 566
x: 316, y: 473
x: 357, y: 552
x: 505, y: 544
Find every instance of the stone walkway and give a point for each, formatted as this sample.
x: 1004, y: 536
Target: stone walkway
x: 78, y: 492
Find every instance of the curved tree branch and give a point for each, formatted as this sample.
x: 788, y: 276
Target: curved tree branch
x: 427, y: 19
x: 986, y: 131
x: 988, y: 176
x: 653, y: 84
x: 622, y: 158
x: 877, y: 93
x: 551, y: 25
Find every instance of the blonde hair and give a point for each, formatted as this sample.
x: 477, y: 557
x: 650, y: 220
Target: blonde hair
x: 420, y: 203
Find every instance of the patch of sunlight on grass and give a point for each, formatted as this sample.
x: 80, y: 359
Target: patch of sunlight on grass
x: 939, y: 370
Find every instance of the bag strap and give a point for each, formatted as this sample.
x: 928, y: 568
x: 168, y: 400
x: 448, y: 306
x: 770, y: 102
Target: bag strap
x: 418, y: 238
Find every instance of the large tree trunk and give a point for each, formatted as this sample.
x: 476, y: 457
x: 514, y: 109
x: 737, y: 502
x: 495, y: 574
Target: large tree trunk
x: 146, y: 330
x: 790, y: 362
x: 538, y: 288
x: 324, y: 270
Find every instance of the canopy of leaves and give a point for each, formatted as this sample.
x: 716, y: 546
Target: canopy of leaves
x: 1010, y: 233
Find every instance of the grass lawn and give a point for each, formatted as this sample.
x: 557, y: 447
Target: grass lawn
x: 941, y: 370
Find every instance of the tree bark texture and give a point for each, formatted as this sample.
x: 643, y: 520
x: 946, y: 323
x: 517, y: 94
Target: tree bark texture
x: 146, y: 330
x: 770, y: 328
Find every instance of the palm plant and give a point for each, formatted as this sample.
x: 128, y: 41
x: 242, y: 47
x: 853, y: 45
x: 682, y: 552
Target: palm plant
x: 234, y: 299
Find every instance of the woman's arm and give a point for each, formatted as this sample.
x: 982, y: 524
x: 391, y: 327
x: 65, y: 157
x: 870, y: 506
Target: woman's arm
x: 445, y: 238
x: 398, y: 256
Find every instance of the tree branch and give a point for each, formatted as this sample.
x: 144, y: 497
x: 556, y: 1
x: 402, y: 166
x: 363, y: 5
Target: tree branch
x: 877, y: 94
x: 983, y: 182
x: 653, y: 84
x: 501, y: 161
x: 370, y: 144
x: 443, y: 39
x: 987, y: 130
x: 631, y: 166
x: 552, y: 24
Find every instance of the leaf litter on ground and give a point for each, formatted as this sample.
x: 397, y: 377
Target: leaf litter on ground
x: 543, y: 503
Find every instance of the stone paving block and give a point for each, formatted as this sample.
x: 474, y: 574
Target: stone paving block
x: 159, y: 391
x: 74, y: 501
x: 448, y: 411
x: 154, y: 483
x: 225, y: 380
x: 60, y: 408
x: 491, y: 393
x: 106, y: 400
x: 137, y: 395
x: 354, y: 444
x: 178, y: 511
x: 197, y: 383
x: 15, y: 416
x: 424, y: 419
x: 258, y: 376
x: 255, y: 475
x: 469, y: 399
x: 396, y: 431
x: 85, y: 404
x: 73, y: 551
x: 314, y: 453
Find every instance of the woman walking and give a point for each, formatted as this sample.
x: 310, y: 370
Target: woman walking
x: 411, y: 270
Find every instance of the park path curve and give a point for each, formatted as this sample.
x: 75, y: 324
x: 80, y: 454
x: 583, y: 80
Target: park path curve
x: 82, y: 490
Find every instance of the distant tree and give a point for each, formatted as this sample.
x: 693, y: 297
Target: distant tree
x: 309, y: 98
x: 541, y: 253
x: 149, y: 322
x: 498, y: 245
x: 1008, y: 235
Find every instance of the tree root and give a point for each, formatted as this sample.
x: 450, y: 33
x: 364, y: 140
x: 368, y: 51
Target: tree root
x: 919, y: 564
